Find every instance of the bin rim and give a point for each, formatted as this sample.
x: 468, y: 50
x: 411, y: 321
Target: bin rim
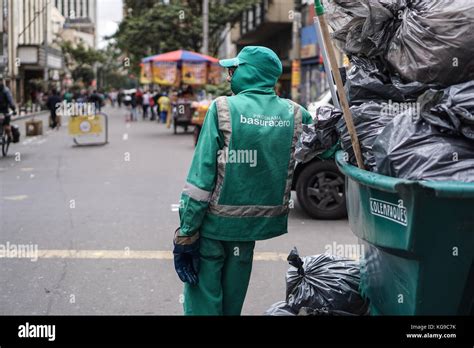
x: 454, y: 189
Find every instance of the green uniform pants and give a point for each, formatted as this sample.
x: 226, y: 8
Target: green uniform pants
x: 224, y: 277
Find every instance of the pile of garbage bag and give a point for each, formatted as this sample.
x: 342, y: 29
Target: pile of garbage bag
x: 369, y: 121
x: 430, y: 139
x: 451, y: 110
x: 318, y: 138
x: 410, y: 85
x: 433, y: 143
x: 429, y: 41
x: 321, y: 285
x: 368, y: 80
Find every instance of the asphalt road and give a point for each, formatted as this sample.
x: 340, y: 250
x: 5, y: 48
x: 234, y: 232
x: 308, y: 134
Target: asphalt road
x: 103, y: 225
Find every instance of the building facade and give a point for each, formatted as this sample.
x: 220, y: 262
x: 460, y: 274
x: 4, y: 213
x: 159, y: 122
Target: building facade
x: 30, y: 50
x: 287, y: 27
x: 269, y: 23
x: 313, y: 77
x: 81, y: 20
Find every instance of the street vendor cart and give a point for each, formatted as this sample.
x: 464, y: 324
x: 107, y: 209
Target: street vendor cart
x: 182, y: 114
x: 181, y: 71
x: 200, y: 110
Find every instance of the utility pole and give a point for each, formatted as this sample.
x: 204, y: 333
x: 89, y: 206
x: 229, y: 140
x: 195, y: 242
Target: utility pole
x: 4, y: 26
x: 45, y: 42
x: 296, y: 54
x: 205, y: 26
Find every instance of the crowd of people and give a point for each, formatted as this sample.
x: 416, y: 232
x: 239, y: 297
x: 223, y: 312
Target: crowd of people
x: 149, y: 104
x: 55, y: 98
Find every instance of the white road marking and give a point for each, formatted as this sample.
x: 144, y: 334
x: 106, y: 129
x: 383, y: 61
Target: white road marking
x: 136, y: 254
x: 15, y: 198
x: 125, y: 136
x: 36, y: 140
x: 27, y: 141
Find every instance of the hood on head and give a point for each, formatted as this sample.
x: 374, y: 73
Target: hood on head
x: 257, y: 68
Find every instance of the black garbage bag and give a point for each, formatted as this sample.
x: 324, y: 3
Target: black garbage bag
x: 306, y: 311
x: 363, y: 27
x: 369, y: 121
x: 451, y: 110
x: 368, y: 80
x: 429, y: 41
x: 15, y: 133
x: 280, y: 308
x: 434, y: 42
x: 316, y: 139
x: 411, y: 148
x: 326, y: 283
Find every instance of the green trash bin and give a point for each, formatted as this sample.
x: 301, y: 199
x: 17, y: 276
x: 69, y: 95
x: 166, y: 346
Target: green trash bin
x: 418, y: 239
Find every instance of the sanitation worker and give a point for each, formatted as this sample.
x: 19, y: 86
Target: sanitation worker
x: 239, y: 184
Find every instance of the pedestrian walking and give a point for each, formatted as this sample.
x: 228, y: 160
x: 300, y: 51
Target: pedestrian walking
x: 96, y: 99
x: 68, y: 96
x: 53, y: 103
x: 139, y: 98
x: 229, y: 205
x: 156, y: 97
x: 113, y: 97
x: 120, y: 97
x: 152, y: 108
x: 146, y: 104
x: 165, y: 107
x: 134, y: 107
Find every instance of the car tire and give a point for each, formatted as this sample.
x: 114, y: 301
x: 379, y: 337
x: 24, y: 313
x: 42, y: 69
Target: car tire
x: 320, y: 190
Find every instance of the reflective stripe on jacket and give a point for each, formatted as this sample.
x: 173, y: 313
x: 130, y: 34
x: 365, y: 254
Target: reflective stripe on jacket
x: 239, y: 184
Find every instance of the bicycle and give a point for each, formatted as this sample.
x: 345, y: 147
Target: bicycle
x: 4, y: 138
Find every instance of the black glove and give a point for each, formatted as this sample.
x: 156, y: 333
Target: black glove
x: 186, y: 257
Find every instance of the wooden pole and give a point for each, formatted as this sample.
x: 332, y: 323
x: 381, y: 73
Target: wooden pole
x: 339, y: 85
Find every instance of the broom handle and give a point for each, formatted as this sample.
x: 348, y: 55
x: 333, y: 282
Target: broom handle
x: 339, y: 85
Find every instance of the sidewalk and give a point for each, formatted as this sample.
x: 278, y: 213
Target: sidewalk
x: 20, y: 121
x: 33, y: 114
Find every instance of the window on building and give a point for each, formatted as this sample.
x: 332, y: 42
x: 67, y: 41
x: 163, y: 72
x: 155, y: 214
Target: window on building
x: 28, y: 20
x: 243, y: 23
x: 305, y: 16
x: 258, y: 14
x: 250, y: 19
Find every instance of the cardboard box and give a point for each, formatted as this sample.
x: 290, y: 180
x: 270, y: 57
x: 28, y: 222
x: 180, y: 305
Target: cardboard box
x: 34, y: 127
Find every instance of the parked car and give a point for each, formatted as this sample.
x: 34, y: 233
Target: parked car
x: 319, y: 185
x: 323, y: 100
x: 320, y: 189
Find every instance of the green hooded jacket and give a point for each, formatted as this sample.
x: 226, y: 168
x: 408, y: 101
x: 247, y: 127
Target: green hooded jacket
x: 239, y: 184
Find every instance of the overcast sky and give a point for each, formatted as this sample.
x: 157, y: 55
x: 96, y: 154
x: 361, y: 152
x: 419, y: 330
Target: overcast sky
x: 109, y: 14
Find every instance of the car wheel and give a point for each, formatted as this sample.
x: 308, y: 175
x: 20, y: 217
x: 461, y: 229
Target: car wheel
x: 321, y: 192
